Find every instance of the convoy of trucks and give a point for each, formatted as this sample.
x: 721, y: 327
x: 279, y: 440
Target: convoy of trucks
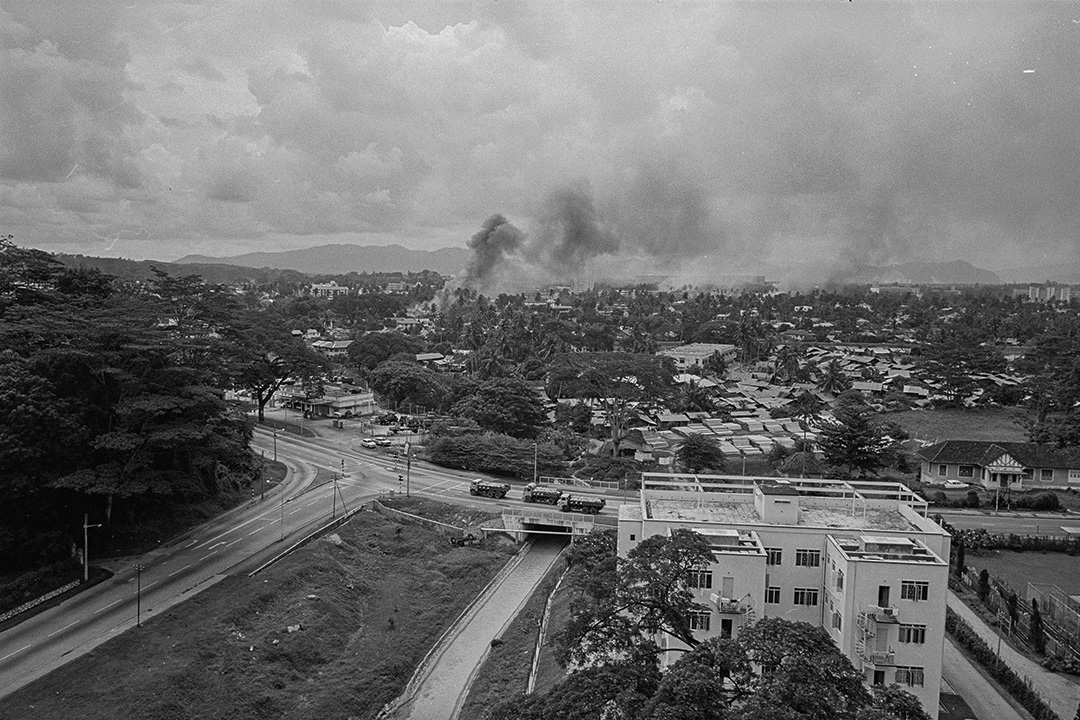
x: 534, y: 493
x: 488, y: 488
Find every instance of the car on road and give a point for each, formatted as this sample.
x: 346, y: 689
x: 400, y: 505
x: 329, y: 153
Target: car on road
x: 369, y: 443
x: 955, y: 485
x: 384, y: 442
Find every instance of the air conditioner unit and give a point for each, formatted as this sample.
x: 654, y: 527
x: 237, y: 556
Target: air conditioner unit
x: 889, y: 612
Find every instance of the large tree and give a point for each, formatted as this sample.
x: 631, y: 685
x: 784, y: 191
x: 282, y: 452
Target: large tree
x: 623, y: 384
x: 652, y: 595
x: 401, y: 382
x: 854, y: 440
x: 367, y: 351
x: 504, y: 405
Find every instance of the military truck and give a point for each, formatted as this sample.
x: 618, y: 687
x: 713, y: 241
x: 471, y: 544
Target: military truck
x: 534, y: 493
x: 487, y: 488
x: 580, y: 503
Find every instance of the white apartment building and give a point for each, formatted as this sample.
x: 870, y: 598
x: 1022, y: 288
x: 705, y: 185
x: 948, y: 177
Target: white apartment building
x: 860, y: 559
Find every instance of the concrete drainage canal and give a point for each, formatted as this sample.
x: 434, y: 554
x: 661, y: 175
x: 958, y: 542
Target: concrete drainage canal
x: 439, y: 686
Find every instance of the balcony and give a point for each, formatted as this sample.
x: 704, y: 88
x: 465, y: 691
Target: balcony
x: 728, y: 606
x: 883, y: 614
x: 877, y: 658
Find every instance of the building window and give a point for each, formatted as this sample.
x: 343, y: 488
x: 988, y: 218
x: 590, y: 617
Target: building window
x: 1047, y: 474
x: 806, y: 596
x: 633, y: 537
x: 699, y: 621
x: 773, y: 556
x: 772, y: 595
x: 700, y: 579
x: 837, y: 621
x: 914, y: 590
x: 966, y: 471
x: 914, y: 634
x: 942, y: 470
x: 807, y: 558
x: 839, y: 579
x: 910, y: 676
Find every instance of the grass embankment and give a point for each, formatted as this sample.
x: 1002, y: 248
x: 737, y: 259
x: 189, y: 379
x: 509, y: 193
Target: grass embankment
x: 995, y: 424
x: 368, y: 602
x: 505, y: 671
x: 1020, y: 568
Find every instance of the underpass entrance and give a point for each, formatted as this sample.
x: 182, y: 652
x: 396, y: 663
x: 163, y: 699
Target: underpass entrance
x: 524, y: 522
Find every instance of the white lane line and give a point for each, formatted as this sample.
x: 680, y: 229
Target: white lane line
x: 57, y: 632
x: 234, y: 542
x: 256, y: 530
x: 146, y: 585
x: 190, y: 544
x: 311, y: 503
x: 174, y: 572
x: 107, y: 606
x: 296, y: 511
x: 206, y: 556
x: 16, y: 652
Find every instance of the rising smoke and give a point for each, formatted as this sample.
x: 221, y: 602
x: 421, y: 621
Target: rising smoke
x: 497, y: 239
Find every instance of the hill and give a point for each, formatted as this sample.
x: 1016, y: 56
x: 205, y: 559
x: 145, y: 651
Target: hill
x: 1063, y: 272
x: 211, y: 273
x: 957, y: 272
x: 340, y: 259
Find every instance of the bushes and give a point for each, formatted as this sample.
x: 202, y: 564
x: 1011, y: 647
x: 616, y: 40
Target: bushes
x: 966, y: 636
x: 1039, y: 501
x: 35, y: 583
x: 496, y: 454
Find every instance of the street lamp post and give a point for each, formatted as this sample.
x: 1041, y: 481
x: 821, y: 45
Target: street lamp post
x: 86, y: 546
x: 536, y: 465
x: 275, y: 444
x: 138, y: 594
x: 408, y: 465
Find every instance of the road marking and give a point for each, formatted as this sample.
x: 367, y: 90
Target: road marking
x: 15, y: 653
x: 180, y: 570
x: 255, y: 531
x: 57, y: 632
x: 311, y: 503
x: 107, y: 606
x: 149, y: 584
x: 234, y: 542
x: 206, y: 556
x: 191, y: 543
x: 296, y: 511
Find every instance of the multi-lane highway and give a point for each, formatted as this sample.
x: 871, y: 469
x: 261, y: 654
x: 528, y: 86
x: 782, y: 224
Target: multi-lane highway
x: 232, y: 544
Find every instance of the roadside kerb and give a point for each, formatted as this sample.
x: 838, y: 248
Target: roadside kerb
x: 452, y: 631
x: 333, y: 524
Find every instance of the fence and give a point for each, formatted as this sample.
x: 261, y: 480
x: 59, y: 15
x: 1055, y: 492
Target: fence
x: 580, y: 482
x: 1061, y: 619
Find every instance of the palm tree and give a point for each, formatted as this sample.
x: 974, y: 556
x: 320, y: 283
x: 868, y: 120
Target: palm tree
x: 833, y: 379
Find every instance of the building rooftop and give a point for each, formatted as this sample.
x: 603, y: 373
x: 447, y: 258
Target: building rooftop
x: 743, y: 513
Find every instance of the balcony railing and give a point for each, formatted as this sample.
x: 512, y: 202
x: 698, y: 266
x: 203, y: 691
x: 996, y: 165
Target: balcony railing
x: 875, y: 657
x: 727, y: 606
x: 884, y: 614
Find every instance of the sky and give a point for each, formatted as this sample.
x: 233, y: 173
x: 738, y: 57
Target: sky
x: 716, y: 134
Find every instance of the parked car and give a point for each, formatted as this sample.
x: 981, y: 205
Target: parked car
x: 369, y: 443
x: 955, y: 485
x: 384, y: 442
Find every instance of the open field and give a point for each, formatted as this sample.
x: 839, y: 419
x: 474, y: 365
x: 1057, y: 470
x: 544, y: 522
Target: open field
x: 981, y: 424
x: 1018, y: 569
x: 332, y: 631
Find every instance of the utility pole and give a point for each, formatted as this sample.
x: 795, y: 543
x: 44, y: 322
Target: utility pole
x: 86, y: 546
x: 275, y: 444
x: 408, y: 465
x: 281, y: 523
x: 262, y: 474
x: 138, y: 594
x: 536, y: 475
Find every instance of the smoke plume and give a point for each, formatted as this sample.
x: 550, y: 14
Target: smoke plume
x: 495, y: 240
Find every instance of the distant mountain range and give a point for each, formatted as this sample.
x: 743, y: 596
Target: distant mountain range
x: 1063, y: 272
x: 341, y: 259
x: 957, y: 272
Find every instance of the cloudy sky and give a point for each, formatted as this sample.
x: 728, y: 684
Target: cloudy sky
x: 871, y: 131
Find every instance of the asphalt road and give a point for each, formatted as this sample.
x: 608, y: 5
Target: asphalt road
x: 235, y: 543
x: 1004, y: 522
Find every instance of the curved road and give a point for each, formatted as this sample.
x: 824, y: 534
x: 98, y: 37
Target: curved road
x: 236, y: 542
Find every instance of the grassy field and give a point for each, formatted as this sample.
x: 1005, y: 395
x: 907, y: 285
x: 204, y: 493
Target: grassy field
x: 332, y: 631
x: 505, y: 671
x: 550, y: 672
x: 981, y: 424
x: 1018, y: 569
